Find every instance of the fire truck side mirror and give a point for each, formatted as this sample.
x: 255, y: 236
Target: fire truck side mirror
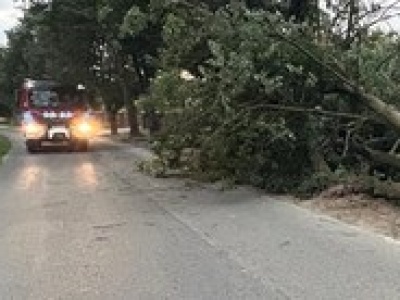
x: 21, y: 99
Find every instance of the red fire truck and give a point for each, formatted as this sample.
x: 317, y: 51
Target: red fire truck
x: 54, y: 114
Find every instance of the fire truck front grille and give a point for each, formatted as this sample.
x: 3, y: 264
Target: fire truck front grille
x: 56, y: 122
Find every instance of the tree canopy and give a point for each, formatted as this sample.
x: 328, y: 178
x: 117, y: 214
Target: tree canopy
x: 275, y: 92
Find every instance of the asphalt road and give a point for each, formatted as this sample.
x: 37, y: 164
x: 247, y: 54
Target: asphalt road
x: 90, y: 226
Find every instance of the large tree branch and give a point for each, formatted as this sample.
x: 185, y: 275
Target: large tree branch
x: 316, y: 111
x: 384, y: 111
x: 382, y: 158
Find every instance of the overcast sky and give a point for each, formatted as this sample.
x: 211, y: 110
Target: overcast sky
x: 9, y: 16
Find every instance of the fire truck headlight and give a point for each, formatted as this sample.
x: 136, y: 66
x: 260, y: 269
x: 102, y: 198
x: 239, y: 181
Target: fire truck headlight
x: 84, y: 128
x: 34, y: 130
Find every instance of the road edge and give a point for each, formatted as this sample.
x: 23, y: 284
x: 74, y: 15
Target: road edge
x: 5, y: 148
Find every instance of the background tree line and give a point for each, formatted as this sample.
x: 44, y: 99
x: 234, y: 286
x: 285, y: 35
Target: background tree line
x: 283, y: 95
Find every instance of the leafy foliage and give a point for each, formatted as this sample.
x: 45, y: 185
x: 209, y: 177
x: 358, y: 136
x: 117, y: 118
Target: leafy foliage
x: 5, y: 146
x: 256, y: 60
x: 280, y: 94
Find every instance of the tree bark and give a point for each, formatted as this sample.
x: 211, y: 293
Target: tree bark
x: 113, y: 122
x: 386, y: 112
x: 132, y: 112
x: 299, y: 9
x: 381, y: 158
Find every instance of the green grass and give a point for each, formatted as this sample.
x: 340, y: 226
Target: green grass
x: 5, y: 146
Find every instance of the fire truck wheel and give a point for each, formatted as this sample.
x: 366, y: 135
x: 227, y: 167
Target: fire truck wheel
x: 80, y: 146
x: 84, y: 146
x: 32, y: 146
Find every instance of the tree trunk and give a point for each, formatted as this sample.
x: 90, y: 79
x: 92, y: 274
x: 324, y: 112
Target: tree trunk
x: 351, y: 23
x: 386, y: 112
x: 299, y: 9
x: 383, y: 159
x: 132, y: 112
x: 113, y: 122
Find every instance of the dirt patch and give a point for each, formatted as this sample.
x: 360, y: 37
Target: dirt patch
x: 138, y: 141
x: 340, y: 202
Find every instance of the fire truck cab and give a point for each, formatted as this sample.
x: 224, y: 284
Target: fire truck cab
x: 54, y: 114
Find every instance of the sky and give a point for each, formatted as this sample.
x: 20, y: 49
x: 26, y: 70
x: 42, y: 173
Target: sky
x: 9, y: 16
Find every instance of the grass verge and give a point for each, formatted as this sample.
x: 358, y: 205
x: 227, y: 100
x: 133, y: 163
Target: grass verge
x: 5, y: 146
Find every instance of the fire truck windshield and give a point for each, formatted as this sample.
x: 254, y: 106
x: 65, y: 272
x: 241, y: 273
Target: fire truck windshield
x: 54, y: 99
x: 44, y: 98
